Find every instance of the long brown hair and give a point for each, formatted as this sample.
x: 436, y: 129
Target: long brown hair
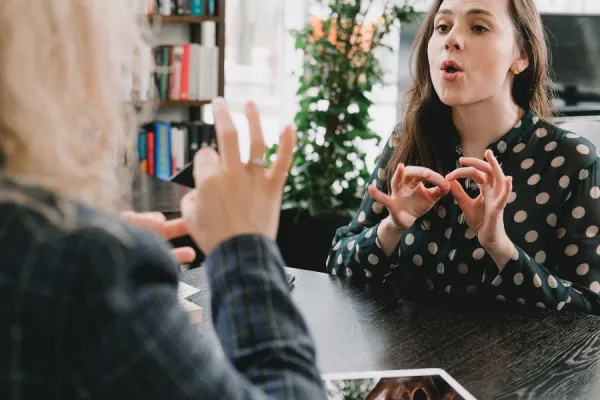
x: 422, y: 137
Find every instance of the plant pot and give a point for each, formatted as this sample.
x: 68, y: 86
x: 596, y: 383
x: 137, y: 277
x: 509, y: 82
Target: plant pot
x: 305, y: 241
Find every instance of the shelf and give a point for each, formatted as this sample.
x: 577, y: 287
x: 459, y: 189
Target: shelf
x: 182, y: 19
x: 175, y: 103
x: 183, y: 103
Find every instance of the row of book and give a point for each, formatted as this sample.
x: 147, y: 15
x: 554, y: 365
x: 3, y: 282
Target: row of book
x: 165, y: 147
x: 179, y: 7
x: 188, y: 71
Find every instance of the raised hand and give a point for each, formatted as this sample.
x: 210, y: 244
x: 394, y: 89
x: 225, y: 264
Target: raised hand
x: 409, y: 198
x: 485, y: 213
x: 232, y: 198
x: 157, y: 222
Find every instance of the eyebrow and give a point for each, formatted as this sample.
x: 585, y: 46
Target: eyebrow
x: 473, y: 11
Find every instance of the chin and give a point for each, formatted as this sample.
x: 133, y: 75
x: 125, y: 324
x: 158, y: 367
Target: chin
x: 454, y: 99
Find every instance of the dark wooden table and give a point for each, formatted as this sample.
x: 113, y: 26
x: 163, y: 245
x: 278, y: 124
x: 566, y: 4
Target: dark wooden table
x: 494, y: 354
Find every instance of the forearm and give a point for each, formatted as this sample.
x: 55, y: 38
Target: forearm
x: 388, y: 235
x: 261, y: 330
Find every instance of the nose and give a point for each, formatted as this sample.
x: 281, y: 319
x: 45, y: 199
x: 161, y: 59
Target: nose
x: 453, y: 41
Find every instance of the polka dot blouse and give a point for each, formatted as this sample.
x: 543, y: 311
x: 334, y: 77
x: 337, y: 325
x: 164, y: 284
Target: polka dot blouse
x: 553, y: 218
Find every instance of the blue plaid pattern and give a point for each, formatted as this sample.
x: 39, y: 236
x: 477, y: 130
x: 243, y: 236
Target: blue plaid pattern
x: 89, y: 309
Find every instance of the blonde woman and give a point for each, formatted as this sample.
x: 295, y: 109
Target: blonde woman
x: 89, y: 305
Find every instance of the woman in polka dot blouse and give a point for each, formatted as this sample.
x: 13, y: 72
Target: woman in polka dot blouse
x: 477, y: 196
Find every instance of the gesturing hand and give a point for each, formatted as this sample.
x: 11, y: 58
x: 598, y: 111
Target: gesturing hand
x: 485, y: 213
x: 409, y: 198
x: 231, y: 198
x: 157, y: 222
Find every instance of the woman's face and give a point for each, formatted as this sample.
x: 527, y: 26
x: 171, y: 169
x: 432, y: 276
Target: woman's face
x: 472, y: 51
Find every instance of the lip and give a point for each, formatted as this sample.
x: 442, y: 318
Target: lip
x: 451, y: 76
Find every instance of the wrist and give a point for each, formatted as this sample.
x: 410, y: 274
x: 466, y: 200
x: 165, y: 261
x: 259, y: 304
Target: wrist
x: 501, y: 252
x: 390, y: 226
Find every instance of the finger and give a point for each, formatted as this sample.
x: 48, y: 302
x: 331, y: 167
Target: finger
x: 379, y: 196
x: 503, y: 200
x: 147, y: 220
x: 184, y: 255
x: 476, y: 163
x: 206, y: 163
x: 187, y: 204
x: 437, y: 192
x: 285, y: 156
x: 496, y: 169
x: 425, y: 175
x: 174, y: 228
x: 227, y: 136
x: 460, y: 195
x: 397, y: 178
x: 257, y: 140
x: 468, y: 172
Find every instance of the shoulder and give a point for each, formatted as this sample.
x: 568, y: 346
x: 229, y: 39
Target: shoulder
x: 67, y: 238
x: 567, y: 143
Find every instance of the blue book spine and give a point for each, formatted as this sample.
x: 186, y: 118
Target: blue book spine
x: 212, y: 8
x: 163, y: 149
x: 197, y: 7
x: 142, y: 145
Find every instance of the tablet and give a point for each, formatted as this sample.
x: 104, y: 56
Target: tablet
x: 412, y: 384
x: 185, y: 176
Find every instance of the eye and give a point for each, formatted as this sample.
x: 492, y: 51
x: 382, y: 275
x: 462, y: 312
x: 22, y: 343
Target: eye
x: 480, y: 29
x: 442, y: 28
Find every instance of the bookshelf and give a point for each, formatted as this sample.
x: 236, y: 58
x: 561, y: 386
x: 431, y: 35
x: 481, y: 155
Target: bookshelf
x: 182, y: 19
x: 184, y: 73
x: 195, y: 36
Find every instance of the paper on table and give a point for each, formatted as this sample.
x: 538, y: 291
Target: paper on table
x: 193, y: 310
x: 184, y: 290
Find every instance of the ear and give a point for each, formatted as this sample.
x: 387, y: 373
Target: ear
x: 521, y: 62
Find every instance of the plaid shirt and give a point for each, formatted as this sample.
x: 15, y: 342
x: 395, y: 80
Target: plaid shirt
x: 89, y: 309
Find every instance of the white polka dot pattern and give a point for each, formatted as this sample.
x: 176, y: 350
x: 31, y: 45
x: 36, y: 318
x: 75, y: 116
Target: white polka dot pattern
x: 552, y: 216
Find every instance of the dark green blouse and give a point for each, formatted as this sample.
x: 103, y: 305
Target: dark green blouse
x: 553, y: 217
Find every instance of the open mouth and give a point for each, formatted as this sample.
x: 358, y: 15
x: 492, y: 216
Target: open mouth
x: 450, y: 67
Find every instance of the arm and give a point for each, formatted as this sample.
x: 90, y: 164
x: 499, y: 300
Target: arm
x: 132, y: 339
x: 570, y: 276
x: 358, y: 249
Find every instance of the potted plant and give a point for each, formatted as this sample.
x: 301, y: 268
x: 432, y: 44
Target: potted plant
x: 328, y: 175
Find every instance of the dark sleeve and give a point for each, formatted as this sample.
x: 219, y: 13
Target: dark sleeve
x: 356, y: 252
x: 131, y: 339
x: 570, y: 276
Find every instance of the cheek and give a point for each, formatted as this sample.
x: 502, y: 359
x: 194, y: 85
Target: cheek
x: 432, y: 55
x: 491, y: 60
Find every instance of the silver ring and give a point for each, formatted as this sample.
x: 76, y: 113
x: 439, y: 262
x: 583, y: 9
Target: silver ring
x: 257, y: 162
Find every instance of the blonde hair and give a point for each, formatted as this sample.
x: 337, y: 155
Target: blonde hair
x: 64, y: 124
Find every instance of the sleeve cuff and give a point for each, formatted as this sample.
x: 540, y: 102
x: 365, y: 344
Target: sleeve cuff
x: 235, y: 258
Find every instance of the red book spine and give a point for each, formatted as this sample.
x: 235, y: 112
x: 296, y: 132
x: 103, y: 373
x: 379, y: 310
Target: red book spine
x: 151, y: 155
x: 185, y: 73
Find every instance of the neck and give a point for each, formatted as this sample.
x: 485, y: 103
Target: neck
x: 483, y: 123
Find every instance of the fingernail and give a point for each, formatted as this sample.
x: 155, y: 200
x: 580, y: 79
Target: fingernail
x: 250, y: 106
x: 218, y: 102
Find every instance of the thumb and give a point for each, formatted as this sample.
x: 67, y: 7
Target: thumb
x: 206, y: 163
x: 187, y: 204
x: 460, y: 195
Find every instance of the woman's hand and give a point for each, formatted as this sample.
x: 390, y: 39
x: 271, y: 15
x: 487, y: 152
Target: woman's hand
x: 157, y: 222
x: 232, y: 198
x: 485, y: 214
x: 409, y: 198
